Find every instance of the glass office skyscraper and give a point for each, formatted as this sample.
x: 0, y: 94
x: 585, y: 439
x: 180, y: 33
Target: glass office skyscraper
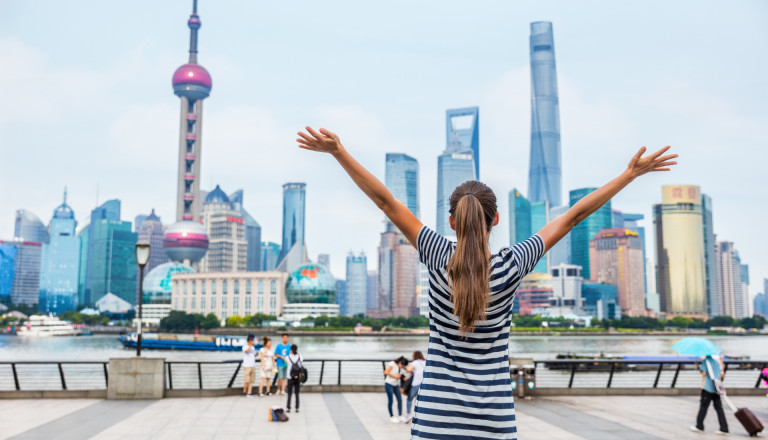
x: 586, y: 230
x: 459, y: 162
x: 539, y: 218
x: 357, y: 285
x: 28, y: 227
x: 294, y: 208
x: 710, y: 257
x: 519, y: 217
x: 545, y: 171
x: 252, y: 232
x: 60, y: 264
x: 24, y: 275
x: 402, y: 179
x: 269, y: 254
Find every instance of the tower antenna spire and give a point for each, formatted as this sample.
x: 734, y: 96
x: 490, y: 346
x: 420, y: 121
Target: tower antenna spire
x: 194, y: 24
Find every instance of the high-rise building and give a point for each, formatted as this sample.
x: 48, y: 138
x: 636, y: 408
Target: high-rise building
x: 760, y: 305
x: 566, y: 291
x: 60, y: 263
x: 600, y: 300
x: 227, y: 248
x: 710, y: 257
x: 111, y: 262
x: 630, y: 221
x: 519, y: 217
x: 341, y: 297
x: 534, y: 292
x: 293, y: 251
x: 402, y: 180
x: 747, y: 304
x: 270, y: 252
x: 372, y: 296
x: 459, y: 162
x: 21, y: 261
x: 252, y: 233
x: 150, y: 229
x: 398, y: 276
x: 545, y: 171
x: 324, y: 260
x: 680, y: 260
x: 616, y: 257
x: 84, y: 235
x: 539, y: 219
x: 730, y: 300
x: 357, y: 284
x: 27, y: 227
x: 586, y: 230
x: 560, y: 253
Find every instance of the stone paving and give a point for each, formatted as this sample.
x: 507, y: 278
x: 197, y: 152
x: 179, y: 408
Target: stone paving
x: 348, y: 416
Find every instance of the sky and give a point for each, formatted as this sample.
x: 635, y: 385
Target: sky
x: 86, y: 102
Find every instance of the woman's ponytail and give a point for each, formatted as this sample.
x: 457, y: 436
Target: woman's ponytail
x: 473, y: 208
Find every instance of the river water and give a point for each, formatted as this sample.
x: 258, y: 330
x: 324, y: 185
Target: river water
x: 102, y: 347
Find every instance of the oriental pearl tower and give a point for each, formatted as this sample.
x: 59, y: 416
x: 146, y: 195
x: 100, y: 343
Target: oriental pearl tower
x: 186, y: 240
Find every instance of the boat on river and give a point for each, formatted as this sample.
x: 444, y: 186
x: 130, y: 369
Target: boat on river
x: 171, y: 341
x: 43, y: 326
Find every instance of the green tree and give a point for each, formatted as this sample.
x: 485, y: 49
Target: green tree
x: 721, y: 321
x: 210, y: 321
x: 236, y: 321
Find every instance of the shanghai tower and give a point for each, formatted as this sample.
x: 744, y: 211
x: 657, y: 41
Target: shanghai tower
x: 545, y: 171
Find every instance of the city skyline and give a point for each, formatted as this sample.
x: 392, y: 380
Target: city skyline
x: 606, y: 110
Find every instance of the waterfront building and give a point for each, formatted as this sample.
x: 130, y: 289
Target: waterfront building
x: 158, y: 282
x: 311, y: 283
x: 21, y: 270
x: 711, y: 282
x: 760, y: 305
x: 324, y: 260
x: 297, y: 312
x: 539, y: 219
x: 228, y: 294
x: 372, y: 296
x: 746, y: 308
x: 630, y: 221
x: 601, y: 300
x: 150, y: 229
x: 225, y: 227
x: 293, y: 251
x: 398, y: 276
x: 733, y: 293
x: 252, y: 233
x: 357, y: 284
x: 458, y: 163
x: 60, y: 263
x: 28, y: 227
x: 84, y: 235
x: 402, y: 180
x: 545, y: 170
x: 111, y: 262
x: 111, y: 304
x: 566, y: 291
x: 270, y: 252
x: 586, y: 230
x: 560, y: 253
x: 680, y: 257
x: 616, y: 257
x: 535, y: 291
x: 519, y: 217
x: 341, y: 297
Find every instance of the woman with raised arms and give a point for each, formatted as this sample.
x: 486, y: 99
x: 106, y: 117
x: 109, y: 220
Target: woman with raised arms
x: 466, y: 391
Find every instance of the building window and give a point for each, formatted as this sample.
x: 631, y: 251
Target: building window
x: 236, y: 287
x: 202, y: 305
x: 260, y: 304
x: 194, y: 287
x: 261, y: 287
x: 247, y: 287
x: 273, y: 304
x: 273, y: 287
x: 213, y: 287
x: 194, y: 304
x: 184, y: 304
x: 248, y: 305
x: 185, y: 288
x: 223, y: 304
x: 213, y: 304
x: 236, y: 305
x: 202, y: 287
x: 224, y: 287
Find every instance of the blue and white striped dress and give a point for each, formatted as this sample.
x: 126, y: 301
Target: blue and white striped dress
x: 467, y: 391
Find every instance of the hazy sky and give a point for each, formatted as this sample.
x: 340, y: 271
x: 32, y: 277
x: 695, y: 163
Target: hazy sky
x: 86, y: 102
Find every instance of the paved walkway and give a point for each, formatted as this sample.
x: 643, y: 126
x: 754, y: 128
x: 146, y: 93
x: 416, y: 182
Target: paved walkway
x: 348, y: 416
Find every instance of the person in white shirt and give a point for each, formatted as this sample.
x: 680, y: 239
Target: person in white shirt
x: 392, y: 375
x: 268, y: 366
x: 294, y: 379
x: 416, y: 369
x: 249, y: 366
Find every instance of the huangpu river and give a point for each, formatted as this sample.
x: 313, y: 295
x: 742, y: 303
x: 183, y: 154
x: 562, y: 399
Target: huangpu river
x: 102, y: 347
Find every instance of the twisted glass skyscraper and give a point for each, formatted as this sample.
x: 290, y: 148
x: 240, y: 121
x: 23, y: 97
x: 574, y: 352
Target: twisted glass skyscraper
x: 402, y: 179
x: 545, y: 172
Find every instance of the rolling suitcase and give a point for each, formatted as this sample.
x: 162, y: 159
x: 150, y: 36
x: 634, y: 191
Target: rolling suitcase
x: 748, y: 420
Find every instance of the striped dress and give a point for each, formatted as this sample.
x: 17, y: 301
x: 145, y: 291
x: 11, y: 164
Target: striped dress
x: 467, y: 390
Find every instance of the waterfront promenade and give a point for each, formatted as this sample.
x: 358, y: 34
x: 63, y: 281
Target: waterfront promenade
x: 347, y: 416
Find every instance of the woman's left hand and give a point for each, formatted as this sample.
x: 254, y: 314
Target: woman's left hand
x: 640, y: 165
x: 323, y: 142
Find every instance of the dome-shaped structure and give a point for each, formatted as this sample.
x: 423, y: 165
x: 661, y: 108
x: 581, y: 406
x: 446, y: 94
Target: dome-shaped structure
x: 157, y: 283
x: 193, y: 81
x: 63, y: 211
x: 185, y: 241
x: 311, y: 283
x: 217, y: 196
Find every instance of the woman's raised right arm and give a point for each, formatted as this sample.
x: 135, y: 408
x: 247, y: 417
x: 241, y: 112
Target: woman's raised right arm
x: 327, y: 142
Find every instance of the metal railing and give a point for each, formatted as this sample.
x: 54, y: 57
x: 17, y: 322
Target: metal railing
x: 217, y: 375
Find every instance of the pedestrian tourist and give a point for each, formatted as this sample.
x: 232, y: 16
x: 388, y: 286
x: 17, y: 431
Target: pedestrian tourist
x: 295, y: 365
x: 466, y: 391
x: 416, y: 369
x: 712, y: 373
x: 393, y: 373
x: 268, y: 366
x: 281, y: 351
x: 249, y: 366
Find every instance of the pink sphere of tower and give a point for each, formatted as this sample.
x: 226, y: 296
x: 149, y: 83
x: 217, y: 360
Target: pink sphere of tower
x: 193, y: 81
x: 185, y: 241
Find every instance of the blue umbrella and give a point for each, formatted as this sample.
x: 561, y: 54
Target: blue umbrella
x: 696, y: 347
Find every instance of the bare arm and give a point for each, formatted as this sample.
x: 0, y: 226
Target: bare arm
x: 556, y: 229
x: 328, y: 142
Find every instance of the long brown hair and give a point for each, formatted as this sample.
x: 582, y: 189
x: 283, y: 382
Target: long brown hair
x: 473, y: 208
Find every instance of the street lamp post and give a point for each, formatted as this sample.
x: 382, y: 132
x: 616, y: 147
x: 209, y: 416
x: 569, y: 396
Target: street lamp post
x: 142, y: 257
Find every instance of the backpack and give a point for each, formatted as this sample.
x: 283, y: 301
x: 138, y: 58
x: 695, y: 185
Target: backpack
x: 298, y: 372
